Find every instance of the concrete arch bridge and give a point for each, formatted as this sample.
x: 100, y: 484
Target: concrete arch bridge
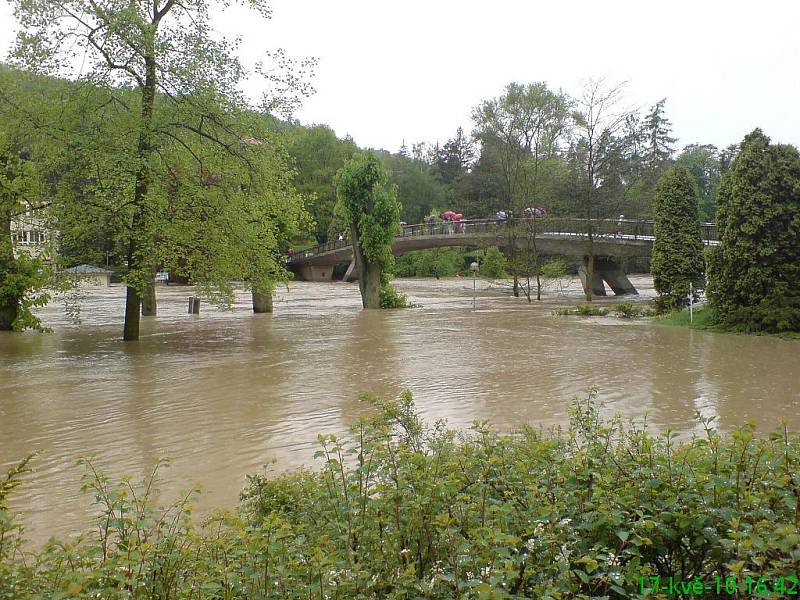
x: 609, y: 240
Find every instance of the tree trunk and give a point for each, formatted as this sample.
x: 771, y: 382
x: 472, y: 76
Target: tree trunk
x: 149, y: 302
x: 133, y: 301
x: 369, y: 274
x: 372, y: 286
x: 133, y: 298
x: 9, y: 305
x: 262, y: 303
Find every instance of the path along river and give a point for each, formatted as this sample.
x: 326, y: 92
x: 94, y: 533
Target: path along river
x: 227, y: 392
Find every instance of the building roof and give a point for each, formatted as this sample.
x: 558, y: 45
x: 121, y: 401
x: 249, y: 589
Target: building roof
x: 87, y: 270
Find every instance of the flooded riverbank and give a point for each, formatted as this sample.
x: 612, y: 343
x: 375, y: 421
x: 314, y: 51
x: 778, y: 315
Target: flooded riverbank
x: 228, y: 391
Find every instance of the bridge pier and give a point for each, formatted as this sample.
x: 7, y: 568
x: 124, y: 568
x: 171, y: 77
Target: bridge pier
x: 351, y: 274
x: 314, y: 273
x: 607, y: 270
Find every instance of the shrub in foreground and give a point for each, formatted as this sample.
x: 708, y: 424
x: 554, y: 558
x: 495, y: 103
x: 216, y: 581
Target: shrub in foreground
x: 401, y: 509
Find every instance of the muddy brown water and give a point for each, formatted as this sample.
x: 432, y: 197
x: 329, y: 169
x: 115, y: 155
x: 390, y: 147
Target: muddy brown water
x: 227, y: 392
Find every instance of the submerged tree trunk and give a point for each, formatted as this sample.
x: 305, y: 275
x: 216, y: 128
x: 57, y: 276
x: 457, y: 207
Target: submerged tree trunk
x: 9, y: 303
x: 369, y: 275
x: 133, y: 298
x: 262, y: 302
x: 372, y: 286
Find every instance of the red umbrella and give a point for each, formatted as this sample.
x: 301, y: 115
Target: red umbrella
x: 448, y: 214
x: 458, y: 217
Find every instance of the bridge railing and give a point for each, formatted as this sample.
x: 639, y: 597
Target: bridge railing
x: 622, y: 229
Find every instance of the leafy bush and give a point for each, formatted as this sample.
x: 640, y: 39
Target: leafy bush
x: 584, y: 310
x: 434, y: 262
x: 554, y: 268
x: 22, y: 288
x: 626, y: 310
x: 590, y: 310
x: 393, y: 298
x: 494, y: 264
x: 402, y: 509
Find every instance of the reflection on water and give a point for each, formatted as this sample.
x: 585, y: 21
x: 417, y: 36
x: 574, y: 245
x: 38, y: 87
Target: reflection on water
x: 226, y: 392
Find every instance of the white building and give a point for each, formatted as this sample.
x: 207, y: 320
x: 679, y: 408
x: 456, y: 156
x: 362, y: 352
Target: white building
x: 89, y: 276
x: 30, y: 235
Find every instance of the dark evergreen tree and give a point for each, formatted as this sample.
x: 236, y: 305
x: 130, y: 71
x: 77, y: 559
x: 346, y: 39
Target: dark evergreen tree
x: 455, y: 158
x: 754, y: 275
x: 657, y: 129
x: 678, y: 248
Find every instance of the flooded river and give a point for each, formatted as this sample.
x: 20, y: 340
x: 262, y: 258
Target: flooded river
x: 224, y: 393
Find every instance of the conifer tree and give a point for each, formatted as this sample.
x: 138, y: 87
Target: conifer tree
x: 678, y: 248
x: 754, y: 275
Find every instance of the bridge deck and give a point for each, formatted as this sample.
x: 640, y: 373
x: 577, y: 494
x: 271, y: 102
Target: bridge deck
x: 562, y: 236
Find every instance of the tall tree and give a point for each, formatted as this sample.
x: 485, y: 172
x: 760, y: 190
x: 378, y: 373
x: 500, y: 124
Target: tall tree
x: 185, y: 91
x: 754, y: 275
x: 599, y: 119
x: 371, y: 210
x: 678, y: 248
x: 524, y: 126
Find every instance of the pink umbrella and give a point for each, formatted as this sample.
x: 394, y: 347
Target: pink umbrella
x: 458, y: 217
x: 448, y: 214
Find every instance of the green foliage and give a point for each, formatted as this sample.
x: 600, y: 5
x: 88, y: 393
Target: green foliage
x: 22, y: 288
x: 494, y: 264
x: 434, y: 262
x: 162, y: 143
x: 583, y: 310
x: 403, y: 509
x: 418, y: 190
x: 590, y: 310
x: 703, y: 317
x: 391, y: 297
x: 23, y: 160
x: 365, y: 203
x: 626, y: 310
x: 318, y: 154
x: 703, y: 162
x: 678, y: 248
x: 10, y: 529
x: 754, y: 275
x: 554, y: 268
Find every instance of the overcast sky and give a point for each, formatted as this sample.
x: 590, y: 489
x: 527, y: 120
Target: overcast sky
x: 413, y: 70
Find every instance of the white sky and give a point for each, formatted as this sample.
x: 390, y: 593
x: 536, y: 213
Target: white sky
x: 412, y: 70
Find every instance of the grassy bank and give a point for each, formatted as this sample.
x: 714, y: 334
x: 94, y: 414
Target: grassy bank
x: 705, y: 319
x: 404, y: 509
